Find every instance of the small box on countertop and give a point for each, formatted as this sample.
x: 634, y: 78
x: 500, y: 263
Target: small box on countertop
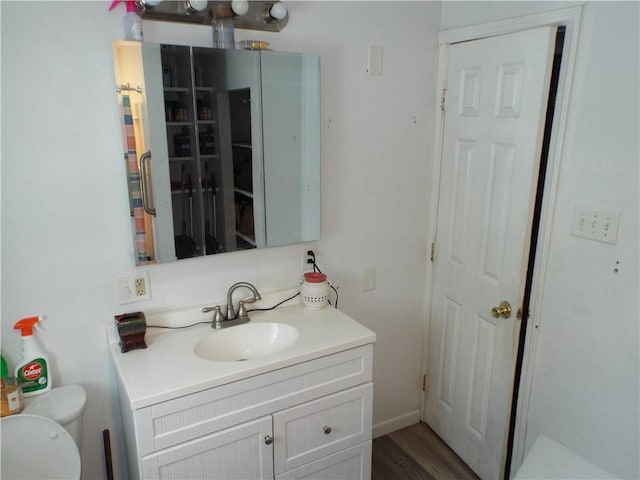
x: 131, y: 329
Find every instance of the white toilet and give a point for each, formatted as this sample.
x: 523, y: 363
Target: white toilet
x: 49, y: 429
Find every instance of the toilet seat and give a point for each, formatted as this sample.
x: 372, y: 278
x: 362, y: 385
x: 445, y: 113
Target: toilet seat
x: 37, y: 447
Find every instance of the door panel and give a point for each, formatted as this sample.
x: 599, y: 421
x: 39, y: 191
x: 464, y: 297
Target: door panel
x: 497, y: 91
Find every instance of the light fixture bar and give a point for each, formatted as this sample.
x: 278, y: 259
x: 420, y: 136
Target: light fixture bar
x: 256, y: 18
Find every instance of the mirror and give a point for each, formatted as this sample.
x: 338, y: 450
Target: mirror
x: 222, y: 148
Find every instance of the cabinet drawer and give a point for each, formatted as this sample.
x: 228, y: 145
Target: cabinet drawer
x: 354, y: 463
x: 322, y: 427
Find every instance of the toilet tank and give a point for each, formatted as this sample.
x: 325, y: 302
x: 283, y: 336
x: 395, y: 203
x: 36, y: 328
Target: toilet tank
x: 65, y: 405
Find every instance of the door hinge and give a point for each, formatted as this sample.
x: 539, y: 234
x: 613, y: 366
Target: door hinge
x: 425, y: 382
x: 443, y: 100
x: 433, y: 252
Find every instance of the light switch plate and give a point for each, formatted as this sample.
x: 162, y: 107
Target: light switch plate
x: 369, y: 279
x: 375, y: 61
x: 595, y: 224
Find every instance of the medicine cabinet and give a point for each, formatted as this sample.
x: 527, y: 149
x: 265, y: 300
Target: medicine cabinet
x: 221, y: 148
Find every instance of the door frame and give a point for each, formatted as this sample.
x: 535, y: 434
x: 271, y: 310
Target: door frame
x: 570, y: 18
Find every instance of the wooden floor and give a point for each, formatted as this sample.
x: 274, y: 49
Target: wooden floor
x: 416, y: 452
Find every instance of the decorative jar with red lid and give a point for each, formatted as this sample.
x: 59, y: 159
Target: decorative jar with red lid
x: 315, y: 290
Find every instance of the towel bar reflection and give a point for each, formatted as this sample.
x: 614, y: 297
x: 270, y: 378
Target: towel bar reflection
x: 128, y: 88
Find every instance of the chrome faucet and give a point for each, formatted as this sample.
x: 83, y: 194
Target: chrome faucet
x: 231, y: 318
x: 242, y: 312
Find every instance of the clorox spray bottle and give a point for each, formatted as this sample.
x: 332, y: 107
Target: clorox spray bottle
x: 33, y: 368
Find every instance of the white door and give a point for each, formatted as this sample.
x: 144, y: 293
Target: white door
x: 496, y: 100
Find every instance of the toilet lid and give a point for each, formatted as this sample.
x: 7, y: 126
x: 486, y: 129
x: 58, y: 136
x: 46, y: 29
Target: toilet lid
x: 37, y: 447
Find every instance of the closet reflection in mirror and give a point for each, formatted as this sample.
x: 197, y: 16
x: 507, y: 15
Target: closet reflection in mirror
x: 222, y: 148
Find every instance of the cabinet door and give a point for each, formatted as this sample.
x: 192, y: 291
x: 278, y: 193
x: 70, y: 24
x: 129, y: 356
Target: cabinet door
x: 155, y: 140
x: 322, y: 427
x: 242, y: 452
x: 351, y: 464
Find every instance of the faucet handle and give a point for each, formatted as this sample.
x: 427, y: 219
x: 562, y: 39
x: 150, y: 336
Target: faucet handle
x: 242, y: 312
x: 217, y: 313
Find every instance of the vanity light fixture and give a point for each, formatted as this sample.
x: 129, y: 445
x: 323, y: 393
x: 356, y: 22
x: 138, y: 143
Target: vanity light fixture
x: 271, y: 16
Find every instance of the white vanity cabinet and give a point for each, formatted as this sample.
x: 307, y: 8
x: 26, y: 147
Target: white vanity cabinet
x: 308, y: 420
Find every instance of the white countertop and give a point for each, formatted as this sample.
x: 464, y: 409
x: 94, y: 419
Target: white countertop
x: 169, y: 368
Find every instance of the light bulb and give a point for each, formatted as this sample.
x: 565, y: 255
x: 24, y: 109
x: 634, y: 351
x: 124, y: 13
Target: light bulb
x: 197, y: 5
x: 278, y: 11
x: 240, y: 7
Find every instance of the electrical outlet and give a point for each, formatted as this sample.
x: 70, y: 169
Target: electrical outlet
x: 306, y: 258
x: 133, y: 288
x: 141, y: 287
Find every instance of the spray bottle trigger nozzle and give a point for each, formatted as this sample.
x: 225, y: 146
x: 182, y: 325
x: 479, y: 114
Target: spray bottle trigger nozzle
x: 26, y: 325
x: 129, y: 4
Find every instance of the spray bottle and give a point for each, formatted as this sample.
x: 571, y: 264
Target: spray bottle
x: 4, y: 373
x: 132, y: 21
x: 33, y: 368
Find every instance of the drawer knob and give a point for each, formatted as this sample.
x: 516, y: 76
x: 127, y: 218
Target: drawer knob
x: 326, y: 430
x: 268, y: 439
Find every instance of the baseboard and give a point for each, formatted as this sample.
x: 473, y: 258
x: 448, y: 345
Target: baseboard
x: 396, y: 423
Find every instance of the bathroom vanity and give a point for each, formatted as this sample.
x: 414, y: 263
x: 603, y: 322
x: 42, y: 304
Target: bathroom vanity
x: 302, y: 411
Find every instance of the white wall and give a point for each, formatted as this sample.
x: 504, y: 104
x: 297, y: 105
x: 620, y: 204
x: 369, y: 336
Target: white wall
x: 65, y: 229
x: 586, y: 374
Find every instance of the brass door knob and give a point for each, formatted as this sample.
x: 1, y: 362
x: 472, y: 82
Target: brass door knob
x: 503, y: 310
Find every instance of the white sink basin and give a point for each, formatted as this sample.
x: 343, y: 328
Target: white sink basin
x: 244, y: 342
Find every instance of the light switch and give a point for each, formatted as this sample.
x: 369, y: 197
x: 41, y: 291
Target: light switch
x: 595, y: 224
x: 375, y: 61
x: 369, y: 279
